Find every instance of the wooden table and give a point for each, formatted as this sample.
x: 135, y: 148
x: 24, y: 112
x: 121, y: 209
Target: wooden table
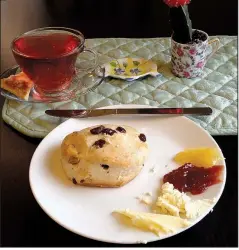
x: 23, y: 222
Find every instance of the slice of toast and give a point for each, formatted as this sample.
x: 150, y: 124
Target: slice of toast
x: 19, y: 85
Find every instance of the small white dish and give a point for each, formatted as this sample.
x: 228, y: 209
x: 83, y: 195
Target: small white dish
x: 130, y: 69
x: 87, y: 211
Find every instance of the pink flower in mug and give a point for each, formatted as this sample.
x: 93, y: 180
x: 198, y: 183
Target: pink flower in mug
x: 200, y: 65
x: 179, y: 52
x: 192, y: 51
x: 176, y: 3
x: 186, y: 74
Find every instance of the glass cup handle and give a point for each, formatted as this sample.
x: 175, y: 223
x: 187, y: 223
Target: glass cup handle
x: 214, y: 49
x: 95, y: 59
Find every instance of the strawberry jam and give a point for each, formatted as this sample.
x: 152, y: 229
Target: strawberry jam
x: 189, y: 178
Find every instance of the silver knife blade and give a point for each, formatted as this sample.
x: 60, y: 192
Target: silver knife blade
x: 84, y: 113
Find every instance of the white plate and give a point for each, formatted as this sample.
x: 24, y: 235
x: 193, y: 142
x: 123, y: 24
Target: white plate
x: 87, y: 211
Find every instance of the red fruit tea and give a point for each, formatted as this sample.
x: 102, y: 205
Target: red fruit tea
x: 48, y: 58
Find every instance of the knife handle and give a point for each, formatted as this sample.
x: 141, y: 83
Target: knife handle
x: 178, y: 111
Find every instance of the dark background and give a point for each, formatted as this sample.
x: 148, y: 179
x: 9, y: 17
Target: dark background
x: 140, y: 18
x: 23, y: 223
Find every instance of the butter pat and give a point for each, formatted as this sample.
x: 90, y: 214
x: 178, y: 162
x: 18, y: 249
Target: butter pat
x: 164, y: 207
x: 172, y: 202
x: 157, y: 223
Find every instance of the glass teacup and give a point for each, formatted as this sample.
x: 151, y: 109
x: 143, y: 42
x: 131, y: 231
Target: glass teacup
x: 48, y: 57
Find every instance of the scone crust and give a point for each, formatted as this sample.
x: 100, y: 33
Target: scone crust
x: 120, y: 149
x: 87, y: 174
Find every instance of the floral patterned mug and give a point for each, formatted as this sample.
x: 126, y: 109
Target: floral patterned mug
x: 188, y: 60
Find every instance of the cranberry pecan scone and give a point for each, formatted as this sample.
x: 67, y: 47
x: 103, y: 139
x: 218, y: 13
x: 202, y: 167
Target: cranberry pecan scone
x: 104, y: 155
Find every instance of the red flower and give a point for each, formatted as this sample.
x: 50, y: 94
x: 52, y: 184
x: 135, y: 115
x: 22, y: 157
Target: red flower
x: 186, y: 74
x: 179, y: 52
x: 176, y: 3
x: 192, y: 51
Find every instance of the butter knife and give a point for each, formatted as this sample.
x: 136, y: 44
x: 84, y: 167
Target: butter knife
x: 84, y: 113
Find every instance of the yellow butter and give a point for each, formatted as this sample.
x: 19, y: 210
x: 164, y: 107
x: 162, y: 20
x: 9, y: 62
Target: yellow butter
x: 172, y: 202
x: 156, y: 223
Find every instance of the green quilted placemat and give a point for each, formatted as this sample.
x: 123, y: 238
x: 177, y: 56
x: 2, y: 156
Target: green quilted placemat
x: 217, y: 88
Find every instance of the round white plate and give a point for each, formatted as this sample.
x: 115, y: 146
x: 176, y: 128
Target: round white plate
x: 86, y: 210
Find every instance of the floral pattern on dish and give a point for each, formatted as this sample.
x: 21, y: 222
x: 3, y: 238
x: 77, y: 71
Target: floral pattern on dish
x: 130, y: 69
x: 188, y: 60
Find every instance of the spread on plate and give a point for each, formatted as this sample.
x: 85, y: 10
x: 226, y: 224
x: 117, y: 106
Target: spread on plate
x: 200, y: 157
x: 172, y: 202
x: 19, y: 85
x: 157, y: 223
x: 174, y: 210
x: 189, y: 178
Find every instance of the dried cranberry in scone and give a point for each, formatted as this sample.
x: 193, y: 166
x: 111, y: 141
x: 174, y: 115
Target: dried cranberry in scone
x: 142, y: 137
x: 100, y: 143
x: 121, y: 130
x: 74, y: 181
x: 104, y: 166
x: 108, y: 131
x: 97, y: 130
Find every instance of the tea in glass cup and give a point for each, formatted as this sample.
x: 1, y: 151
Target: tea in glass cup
x: 48, y: 57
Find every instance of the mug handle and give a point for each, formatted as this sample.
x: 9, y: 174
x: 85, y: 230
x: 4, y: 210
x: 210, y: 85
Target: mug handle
x: 217, y: 41
x: 95, y: 64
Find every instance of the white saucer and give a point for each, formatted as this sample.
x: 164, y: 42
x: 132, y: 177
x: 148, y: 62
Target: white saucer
x: 82, y: 83
x: 87, y: 211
